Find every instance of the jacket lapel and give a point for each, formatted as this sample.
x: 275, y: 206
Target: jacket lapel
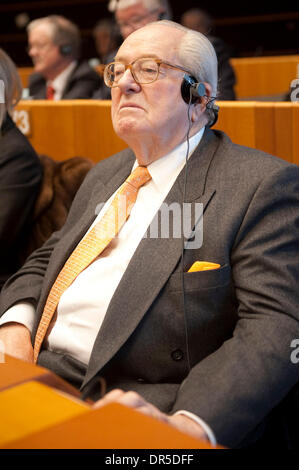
x: 101, y: 193
x: 154, y: 261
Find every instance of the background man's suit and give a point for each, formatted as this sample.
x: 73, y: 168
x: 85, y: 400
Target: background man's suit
x: 226, y: 74
x: 82, y: 84
x: 240, y: 319
x: 20, y: 179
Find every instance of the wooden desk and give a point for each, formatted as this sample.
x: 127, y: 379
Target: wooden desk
x: 24, y: 73
x: 66, y: 129
x: 271, y: 127
x: 36, y: 416
x: 264, y: 76
x: 69, y: 128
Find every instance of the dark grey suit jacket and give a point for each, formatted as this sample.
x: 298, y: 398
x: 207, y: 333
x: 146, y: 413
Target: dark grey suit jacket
x: 240, y: 319
x: 226, y: 74
x: 82, y: 84
x: 20, y: 178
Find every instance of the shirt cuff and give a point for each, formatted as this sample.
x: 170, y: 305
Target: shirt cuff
x: 203, y: 424
x: 21, y: 312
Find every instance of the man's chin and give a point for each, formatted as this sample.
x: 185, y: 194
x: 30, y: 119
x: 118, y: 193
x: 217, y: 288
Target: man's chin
x: 127, y: 127
x: 38, y: 68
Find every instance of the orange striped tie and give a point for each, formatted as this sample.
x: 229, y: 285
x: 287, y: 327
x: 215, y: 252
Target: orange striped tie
x: 92, y: 245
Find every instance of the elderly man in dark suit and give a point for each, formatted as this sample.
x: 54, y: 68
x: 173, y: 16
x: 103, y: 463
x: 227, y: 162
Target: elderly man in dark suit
x: 54, y: 47
x: 191, y: 325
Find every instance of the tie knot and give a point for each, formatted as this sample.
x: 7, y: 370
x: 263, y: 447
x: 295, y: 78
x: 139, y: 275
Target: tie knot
x: 139, y: 177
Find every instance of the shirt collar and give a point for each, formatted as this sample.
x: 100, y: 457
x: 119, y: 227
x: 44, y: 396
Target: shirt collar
x: 169, y: 166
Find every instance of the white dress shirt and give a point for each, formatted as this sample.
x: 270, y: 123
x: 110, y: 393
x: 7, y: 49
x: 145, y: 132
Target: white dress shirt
x: 59, y: 83
x: 82, y: 307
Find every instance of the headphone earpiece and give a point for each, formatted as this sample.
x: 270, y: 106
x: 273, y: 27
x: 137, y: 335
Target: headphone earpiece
x: 198, y: 90
x: 65, y: 49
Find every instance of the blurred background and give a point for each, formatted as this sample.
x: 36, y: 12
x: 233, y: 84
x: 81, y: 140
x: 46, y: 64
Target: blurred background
x: 251, y: 29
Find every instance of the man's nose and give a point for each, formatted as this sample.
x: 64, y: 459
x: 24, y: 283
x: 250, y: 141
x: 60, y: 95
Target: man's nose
x: 127, y: 83
x: 32, y: 50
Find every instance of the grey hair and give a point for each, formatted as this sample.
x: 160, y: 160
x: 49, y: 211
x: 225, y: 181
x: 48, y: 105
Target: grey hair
x: 196, y: 54
x: 150, y: 5
x: 62, y: 32
x: 11, y: 83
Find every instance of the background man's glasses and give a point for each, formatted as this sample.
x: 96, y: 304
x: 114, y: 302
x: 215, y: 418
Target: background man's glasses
x: 38, y: 46
x: 144, y: 71
x: 136, y: 21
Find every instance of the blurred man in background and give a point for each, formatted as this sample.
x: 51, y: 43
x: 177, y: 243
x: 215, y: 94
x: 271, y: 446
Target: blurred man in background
x: 201, y: 21
x: 131, y: 15
x: 54, y: 47
x: 107, y: 40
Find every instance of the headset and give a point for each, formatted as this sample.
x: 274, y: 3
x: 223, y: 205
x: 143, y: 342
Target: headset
x: 65, y: 49
x: 192, y: 90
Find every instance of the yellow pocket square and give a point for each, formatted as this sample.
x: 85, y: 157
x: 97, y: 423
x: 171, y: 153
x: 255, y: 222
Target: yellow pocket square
x: 203, y: 266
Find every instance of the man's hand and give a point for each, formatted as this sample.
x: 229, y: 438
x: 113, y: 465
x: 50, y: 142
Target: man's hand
x: 16, y: 340
x: 133, y: 400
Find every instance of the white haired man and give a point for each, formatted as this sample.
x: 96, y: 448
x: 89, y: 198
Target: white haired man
x: 133, y: 14
x: 192, y: 330
x: 54, y: 47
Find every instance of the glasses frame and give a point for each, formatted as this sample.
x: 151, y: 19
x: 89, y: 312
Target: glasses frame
x: 136, y: 21
x: 159, y: 62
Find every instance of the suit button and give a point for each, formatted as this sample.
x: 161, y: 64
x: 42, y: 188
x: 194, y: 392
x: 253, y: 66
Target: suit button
x: 177, y: 355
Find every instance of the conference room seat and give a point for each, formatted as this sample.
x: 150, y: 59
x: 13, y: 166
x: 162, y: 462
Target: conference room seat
x: 61, y: 181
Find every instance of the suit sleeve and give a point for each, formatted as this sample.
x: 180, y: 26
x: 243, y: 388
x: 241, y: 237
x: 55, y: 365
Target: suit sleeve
x: 20, y: 178
x: 227, y: 78
x: 234, y: 388
x: 83, y: 83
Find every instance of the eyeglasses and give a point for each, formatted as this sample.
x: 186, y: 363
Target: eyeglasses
x: 136, y: 21
x: 143, y: 70
x: 38, y: 46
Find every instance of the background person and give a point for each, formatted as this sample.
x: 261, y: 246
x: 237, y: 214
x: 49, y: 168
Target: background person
x: 131, y: 15
x: 107, y: 40
x: 201, y: 21
x: 20, y: 175
x: 54, y: 47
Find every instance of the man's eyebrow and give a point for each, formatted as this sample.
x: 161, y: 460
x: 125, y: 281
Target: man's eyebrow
x: 143, y: 56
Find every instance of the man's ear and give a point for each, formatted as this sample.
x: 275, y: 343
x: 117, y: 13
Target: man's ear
x: 199, y: 107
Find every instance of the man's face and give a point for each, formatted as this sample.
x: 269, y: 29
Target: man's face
x: 44, y: 53
x: 153, y: 113
x: 104, y: 42
x: 134, y: 17
x: 195, y: 21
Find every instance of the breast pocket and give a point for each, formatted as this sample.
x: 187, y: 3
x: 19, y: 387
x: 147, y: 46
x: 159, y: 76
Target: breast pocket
x: 201, y: 280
